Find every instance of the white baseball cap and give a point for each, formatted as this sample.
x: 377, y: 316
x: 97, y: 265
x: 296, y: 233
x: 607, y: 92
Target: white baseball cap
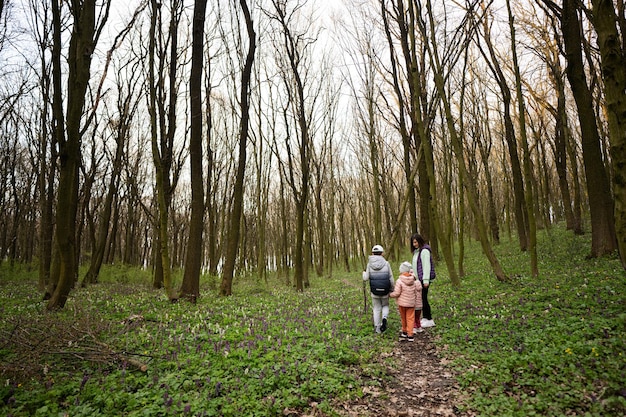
x: 377, y: 249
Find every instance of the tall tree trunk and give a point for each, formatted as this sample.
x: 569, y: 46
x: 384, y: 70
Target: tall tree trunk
x: 104, y: 240
x: 319, y: 221
x: 402, y: 123
x: 603, y: 238
x: 82, y: 44
x: 97, y: 257
x: 284, y: 241
x: 263, y: 181
x: 162, y: 271
x: 58, y: 130
x: 190, y: 287
x: 612, y: 52
x: 521, y: 221
x: 456, y: 142
x: 528, y: 174
x: 373, y: 139
x: 47, y: 172
x: 561, y: 136
x: 431, y: 221
x: 232, y: 244
x: 294, y: 84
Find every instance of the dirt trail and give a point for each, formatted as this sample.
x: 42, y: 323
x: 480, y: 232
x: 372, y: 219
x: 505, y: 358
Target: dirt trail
x: 422, y: 384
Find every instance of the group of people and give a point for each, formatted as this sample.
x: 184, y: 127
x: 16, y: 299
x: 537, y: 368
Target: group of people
x: 410, y: 290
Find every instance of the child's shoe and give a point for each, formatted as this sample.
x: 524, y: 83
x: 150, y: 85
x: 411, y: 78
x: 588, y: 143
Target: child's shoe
x: 403, y: 337
x: 384, y: 325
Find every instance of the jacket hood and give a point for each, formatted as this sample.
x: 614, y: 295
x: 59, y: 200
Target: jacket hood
x: 377, y: 262
x: 408, y: 280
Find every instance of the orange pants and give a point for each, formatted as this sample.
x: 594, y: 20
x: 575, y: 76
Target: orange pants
x: 407, y: 316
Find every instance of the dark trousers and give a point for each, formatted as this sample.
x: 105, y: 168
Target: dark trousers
x: 426, y: 306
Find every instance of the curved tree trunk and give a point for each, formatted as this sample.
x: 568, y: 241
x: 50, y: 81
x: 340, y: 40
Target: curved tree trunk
x: 521, y: 221
x: 232, y: 245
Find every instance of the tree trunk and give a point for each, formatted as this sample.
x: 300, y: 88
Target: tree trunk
x: 232, y: 244
x: 402, y: 122
x: 614, y: 76
x: 528, y: 174
x: 47, y: 168
x: 521, y: 220
x: 97, y: 257
x: 561, y: 135
x: 456, y: 142
x: 82, y: 45
x: 162, y: 270
x: 603, y: 238
x: 190, y: 287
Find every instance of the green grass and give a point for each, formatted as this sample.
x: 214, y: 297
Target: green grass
x: 259, y: 352
x: 552, y: 346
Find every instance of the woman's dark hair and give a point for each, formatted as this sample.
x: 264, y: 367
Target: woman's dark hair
x: 420, y: 240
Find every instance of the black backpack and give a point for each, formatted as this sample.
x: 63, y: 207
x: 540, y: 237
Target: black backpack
x: 379, y: 281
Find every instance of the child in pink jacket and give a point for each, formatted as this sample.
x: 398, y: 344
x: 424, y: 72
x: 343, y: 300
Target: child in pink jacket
x: 409, y: 299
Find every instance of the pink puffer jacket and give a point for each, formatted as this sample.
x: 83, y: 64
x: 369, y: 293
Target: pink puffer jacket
x: 408, y: 291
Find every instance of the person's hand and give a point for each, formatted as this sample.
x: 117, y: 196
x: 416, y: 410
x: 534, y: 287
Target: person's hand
x: 426, y: 284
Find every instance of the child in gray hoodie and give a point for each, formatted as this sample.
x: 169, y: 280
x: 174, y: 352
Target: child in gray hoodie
x: 378, y: 273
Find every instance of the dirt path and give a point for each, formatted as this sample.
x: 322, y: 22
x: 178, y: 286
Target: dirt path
x: 422, y: 384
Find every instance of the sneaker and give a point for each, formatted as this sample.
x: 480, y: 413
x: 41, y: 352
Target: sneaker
x: 428, y: 323
x: 377, y: 329
x: 418, y: 330
x: 384, y: 325
x: 403, y: 337
x: 410, y: 339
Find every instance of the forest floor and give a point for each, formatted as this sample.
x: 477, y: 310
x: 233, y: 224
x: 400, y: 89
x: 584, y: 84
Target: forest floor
x: 422, y: 384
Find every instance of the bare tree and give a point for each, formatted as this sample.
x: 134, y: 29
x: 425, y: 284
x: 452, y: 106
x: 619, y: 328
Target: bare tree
x: 601, y: 205
x: 434, y: 55
x: 238, y: 191
x: 362, y: 76
x: 84, y: 37
x: 163, y: 129
x: 120, y: 125
x: 407, y: 127
x: 548, y: 47
x: 190, y: 287
x: 528, y: 174
x: 294, y: 67
x: 322, y: 168
x: 494, y: 63
x: 41, y: 28
x: 608, y: 25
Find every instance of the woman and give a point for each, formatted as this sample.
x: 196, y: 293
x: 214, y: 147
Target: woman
x: 422, y: 265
